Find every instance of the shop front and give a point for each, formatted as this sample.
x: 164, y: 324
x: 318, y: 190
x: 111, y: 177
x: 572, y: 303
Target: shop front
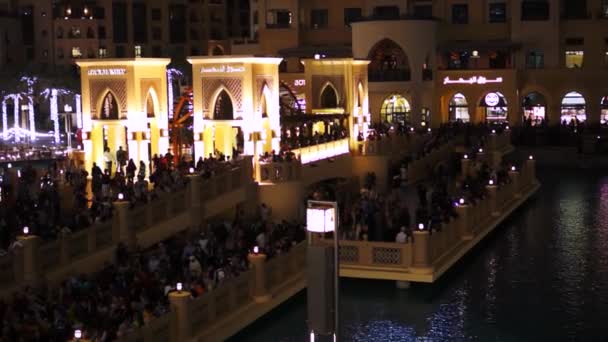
x: 477, y: 96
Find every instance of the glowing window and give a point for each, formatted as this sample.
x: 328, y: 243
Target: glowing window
x: 459, y: 108
x: 574, y: 58
x: 395, y: 109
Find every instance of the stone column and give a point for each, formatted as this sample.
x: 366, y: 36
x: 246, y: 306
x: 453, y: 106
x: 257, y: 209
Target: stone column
x: 464, y: 226
x: 260, y: 290
x: 125, y: 233
x: 465, y: 166
x: 180, y: 320
x: 30, y: 258
x: 514, y: 175
x: 421, y: 257
x: 492, y: 198
x: 194, y: 191
x: 531, y: 164
x: 492, y: 141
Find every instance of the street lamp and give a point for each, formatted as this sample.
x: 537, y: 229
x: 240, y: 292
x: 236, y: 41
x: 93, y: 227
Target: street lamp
x: 321, y: 218
x: 67, y: 112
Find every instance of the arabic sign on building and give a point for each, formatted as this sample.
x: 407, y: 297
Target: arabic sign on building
x: 107, y: 72
x: 222, y: 69
x: 472, y: 80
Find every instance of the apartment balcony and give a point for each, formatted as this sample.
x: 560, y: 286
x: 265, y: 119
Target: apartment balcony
x: 390, y: 75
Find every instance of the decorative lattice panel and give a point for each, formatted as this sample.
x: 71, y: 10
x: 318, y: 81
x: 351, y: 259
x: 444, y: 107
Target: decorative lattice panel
x: 386, y: 256
x: 260, y: 82
x: 349, y: 254
x: 318, y: 83
x: 233, y: 85
x: 145, y: 85
x: 98, y: 89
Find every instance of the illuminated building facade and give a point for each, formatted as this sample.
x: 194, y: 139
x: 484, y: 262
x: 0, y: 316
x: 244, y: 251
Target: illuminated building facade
x: 444, y: 60
x: 124, y: 105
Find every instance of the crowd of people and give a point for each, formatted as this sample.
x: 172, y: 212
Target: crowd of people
x: 57, y: 199
x: 134, y: 289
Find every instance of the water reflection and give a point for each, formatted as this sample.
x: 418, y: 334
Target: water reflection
x: 543, y: 276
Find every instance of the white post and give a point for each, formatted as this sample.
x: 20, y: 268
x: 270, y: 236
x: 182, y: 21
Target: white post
x: 4, y: 120
x: 16, y: 115
x: 78, y: 111
x: 55, y: 115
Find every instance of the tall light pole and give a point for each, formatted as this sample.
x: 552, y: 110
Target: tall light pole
x: 323, y: 273
x: 67, y: 112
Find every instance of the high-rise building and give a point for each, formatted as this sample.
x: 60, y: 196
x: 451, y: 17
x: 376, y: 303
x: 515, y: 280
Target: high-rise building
x: 55, y: 32
x: 445, y: 60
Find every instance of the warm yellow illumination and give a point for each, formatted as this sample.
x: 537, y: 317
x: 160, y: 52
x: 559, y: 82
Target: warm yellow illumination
x: 323, y: 151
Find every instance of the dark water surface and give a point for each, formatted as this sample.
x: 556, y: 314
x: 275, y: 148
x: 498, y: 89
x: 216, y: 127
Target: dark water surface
x: 542, y: 276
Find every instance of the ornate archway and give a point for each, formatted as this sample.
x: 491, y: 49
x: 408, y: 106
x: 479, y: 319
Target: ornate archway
x: 395, y: 110
x: 329, y: 97
x: 389, y: 62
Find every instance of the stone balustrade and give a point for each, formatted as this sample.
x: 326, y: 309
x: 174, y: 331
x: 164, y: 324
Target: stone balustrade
x: 89, y: 249
x: 279, y: 172
x: 500, y: 141
x: 392, y: 144
x: 426, y: 257
x: 189, y: 318
x: 310, y: 154
x: 418, y: 170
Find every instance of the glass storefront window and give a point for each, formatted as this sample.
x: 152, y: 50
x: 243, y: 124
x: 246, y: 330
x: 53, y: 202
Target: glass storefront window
x: 395, y: 110
x: 534, y: 108
x: 496, y: 107
x: 459, y: 108
x: 574, y: 108
x: 604, y: 113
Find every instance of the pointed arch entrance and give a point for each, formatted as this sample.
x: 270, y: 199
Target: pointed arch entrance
x: 604, y: 111
x: 113, y: 135
x: 395, y: 110
x: 329, y: 97
x: 458, y: 108
x: 574, y: 108
x: 535, y: 107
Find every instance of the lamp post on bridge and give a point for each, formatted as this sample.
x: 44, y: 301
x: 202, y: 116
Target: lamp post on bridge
x: 67, y: 112
x: 323, y: 272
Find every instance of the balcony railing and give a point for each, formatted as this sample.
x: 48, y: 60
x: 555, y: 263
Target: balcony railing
x: 392, y: 75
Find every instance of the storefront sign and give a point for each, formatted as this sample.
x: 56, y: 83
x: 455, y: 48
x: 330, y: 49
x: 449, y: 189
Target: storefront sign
x: 472, y: 80
x: 222, y: 69
x: 299, y: 83
x: 107, y: 72
x: 492, y: 99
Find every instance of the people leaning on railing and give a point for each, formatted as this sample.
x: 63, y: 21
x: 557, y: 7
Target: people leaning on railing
x: 133, y: 290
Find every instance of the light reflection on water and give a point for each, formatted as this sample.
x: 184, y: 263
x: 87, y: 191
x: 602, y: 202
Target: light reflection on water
x: 543, y: 276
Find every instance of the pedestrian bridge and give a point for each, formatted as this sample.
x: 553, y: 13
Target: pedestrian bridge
x: 430, y: 255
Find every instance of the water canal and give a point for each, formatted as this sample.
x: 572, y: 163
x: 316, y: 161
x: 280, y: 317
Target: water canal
x: 542, y: 276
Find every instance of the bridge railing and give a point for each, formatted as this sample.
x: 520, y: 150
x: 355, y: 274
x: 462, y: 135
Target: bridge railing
x: 318, y: 152
x: 88, y: 249
x: 421, y: 168
x: 280, y: 172
x: 368, y: 253
x: 189, y: 317
x: 392, y: 144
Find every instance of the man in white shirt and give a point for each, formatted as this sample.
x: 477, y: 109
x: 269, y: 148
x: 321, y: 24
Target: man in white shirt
x: 401, y: 236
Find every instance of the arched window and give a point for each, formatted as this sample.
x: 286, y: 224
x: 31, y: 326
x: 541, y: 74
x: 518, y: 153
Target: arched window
x: 150, y: 106
x: 574, y: 108
x: 109, y: 108
x: 535, y: 107
x: 223, y: 109
x: 459, y: 108
x: 496, y: 107
x: 289, y: 103
x: 329, y: 97
x: 604, y: 107
x: 388, y: 62
x: 360, y: 95
x: 217, y: 51
x: 395, y: 110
